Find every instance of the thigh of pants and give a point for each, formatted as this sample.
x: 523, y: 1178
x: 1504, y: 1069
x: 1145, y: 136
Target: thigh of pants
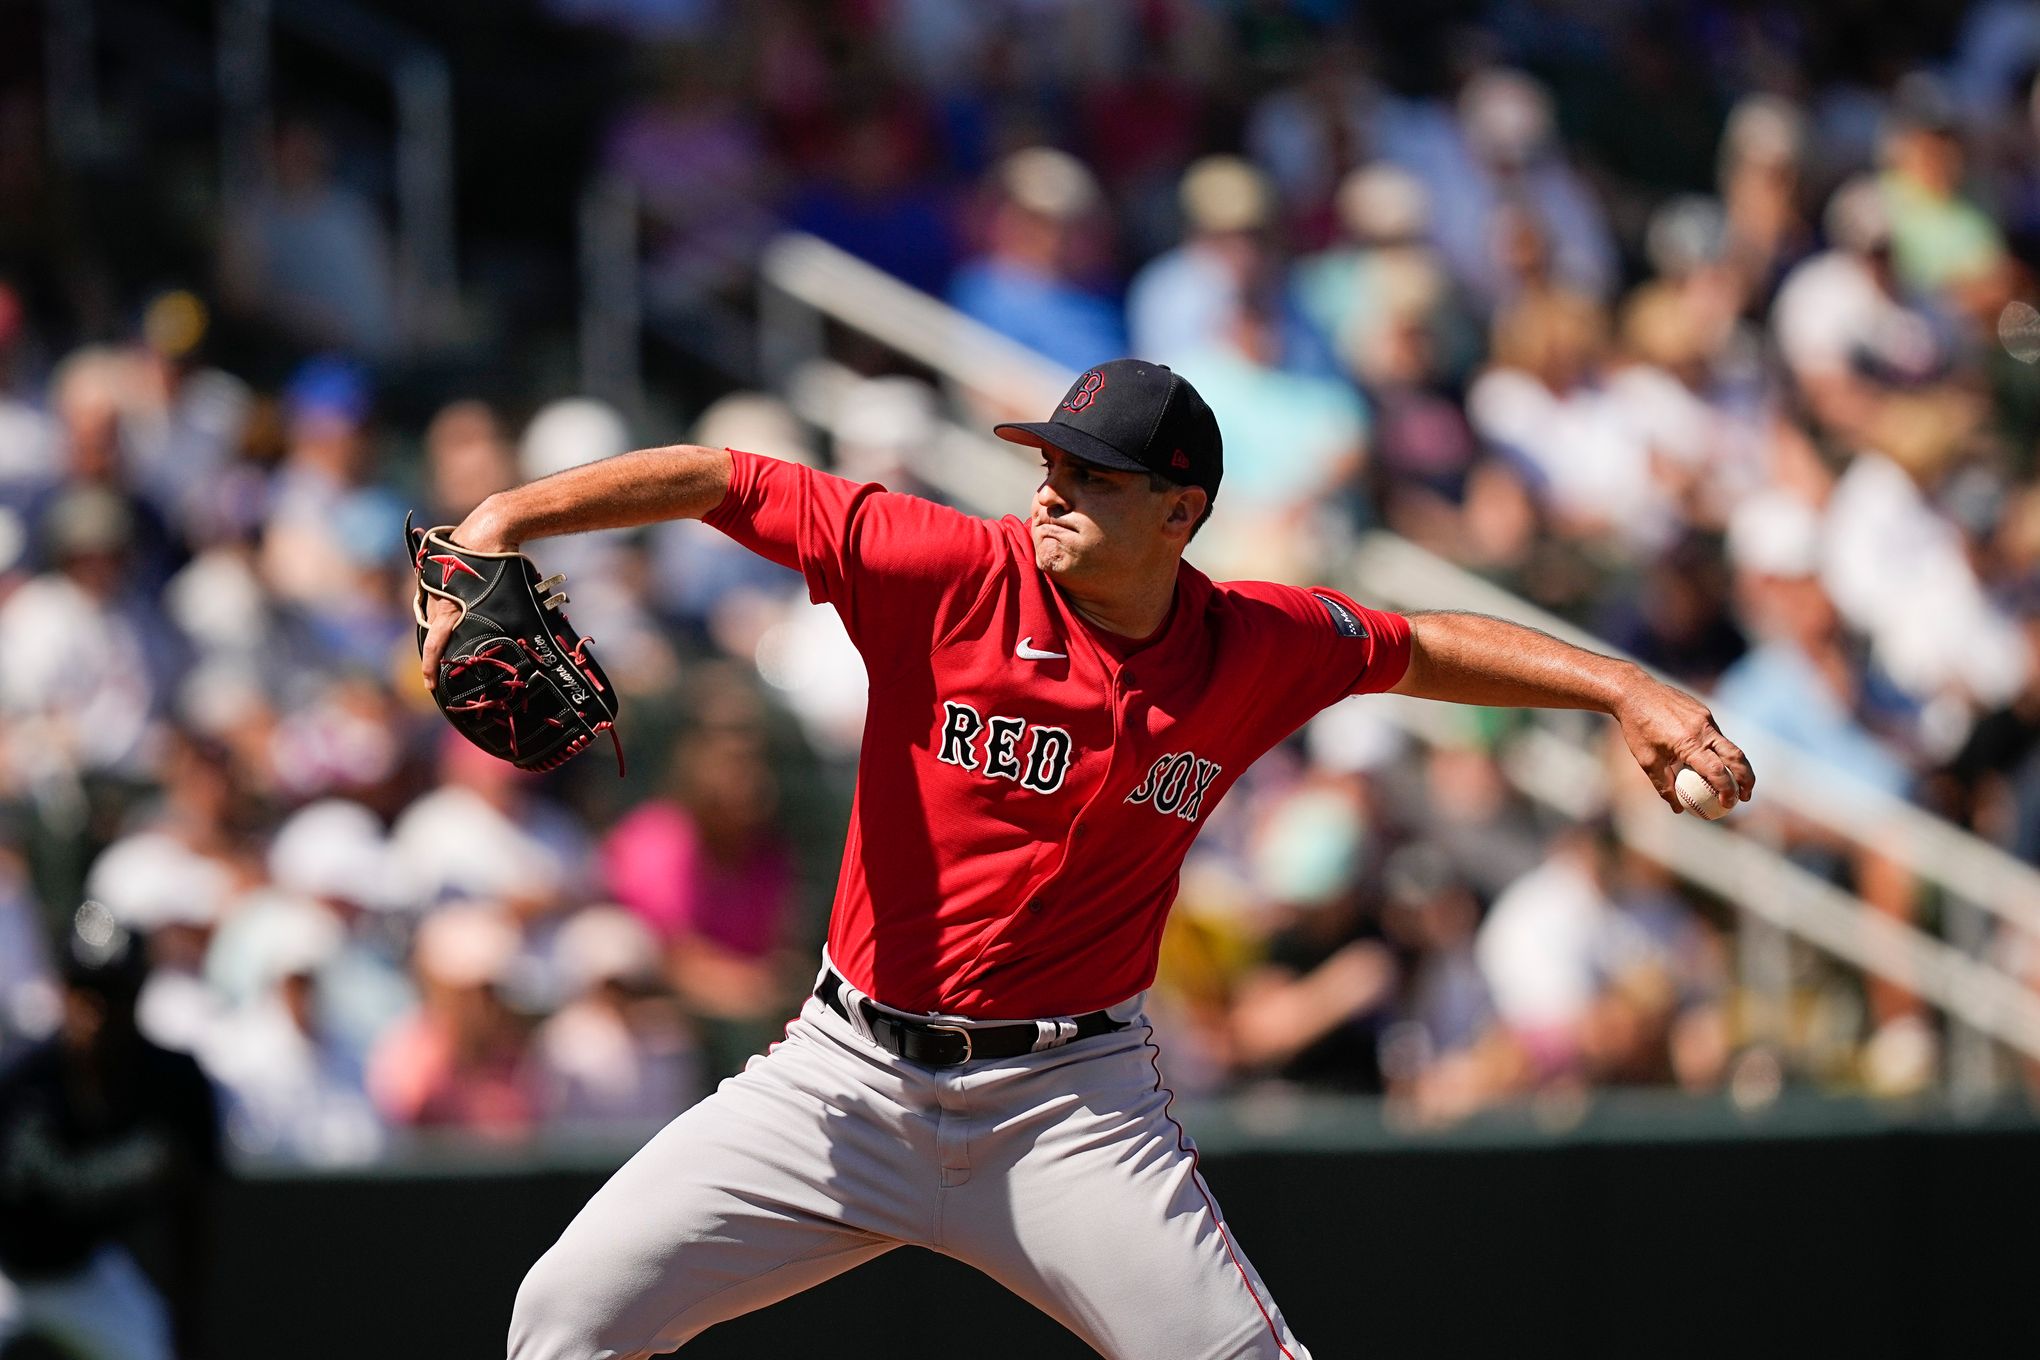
x: 1062, y: 1175
x: 788, y: 1174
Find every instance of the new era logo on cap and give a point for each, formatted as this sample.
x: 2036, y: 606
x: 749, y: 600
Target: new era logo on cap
x: 1134, y: 416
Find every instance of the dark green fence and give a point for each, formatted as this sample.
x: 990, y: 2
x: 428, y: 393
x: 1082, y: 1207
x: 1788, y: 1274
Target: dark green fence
x: 1638, y: 1230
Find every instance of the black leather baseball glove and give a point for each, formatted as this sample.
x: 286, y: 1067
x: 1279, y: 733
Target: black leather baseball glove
x: 514, y: 679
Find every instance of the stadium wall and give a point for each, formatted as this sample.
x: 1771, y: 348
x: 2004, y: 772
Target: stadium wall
x: 1901, y: 1242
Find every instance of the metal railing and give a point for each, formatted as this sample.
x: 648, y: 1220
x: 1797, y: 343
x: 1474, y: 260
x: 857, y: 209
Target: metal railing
x: 1968, y: 868
x: 807, y: 284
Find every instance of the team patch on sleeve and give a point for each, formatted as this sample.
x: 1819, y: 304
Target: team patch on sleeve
x: 1344, y: 621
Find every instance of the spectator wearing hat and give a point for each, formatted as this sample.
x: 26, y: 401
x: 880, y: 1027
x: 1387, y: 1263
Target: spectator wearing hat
x: 172, y: 897
x: 333, y: 856
x: 87, y: 394
x: 1184, y: 300
x: 617, y: 1053
x: 325, y: 544
x: 1382, y: 272
x: 486, y: 832
x: 295, y: 1087
x: 84, y: 660
x: 462, y: 1060
x: 1800, y: 682
x: 1310, y: 1010
x: 1029, y: 283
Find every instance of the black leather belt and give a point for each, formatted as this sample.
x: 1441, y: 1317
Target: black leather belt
x: 934, y: 1044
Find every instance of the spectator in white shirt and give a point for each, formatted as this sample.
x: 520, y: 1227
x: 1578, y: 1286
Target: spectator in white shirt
x: 1847, y: 332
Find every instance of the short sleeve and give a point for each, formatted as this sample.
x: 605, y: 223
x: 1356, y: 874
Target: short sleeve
x: 1327, y: 645
x: 902, y: 571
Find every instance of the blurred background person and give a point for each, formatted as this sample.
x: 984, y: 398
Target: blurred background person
x: 618, y: 1052
x: 1184, y: 301
x: 462, y: 1061
x: 1510, y: 165
x: 102, y: 1132
x: 1031, y: 280
x: 1846, y: 323
x: 1309, y: 1010
x: 309, y: 255
x: 707, y: 868
x: 295, y: 1088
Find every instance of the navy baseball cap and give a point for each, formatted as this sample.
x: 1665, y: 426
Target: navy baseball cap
x: 1135, y: 417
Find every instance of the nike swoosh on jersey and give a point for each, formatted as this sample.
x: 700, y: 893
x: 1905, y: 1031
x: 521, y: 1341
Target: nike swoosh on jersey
x: 1026, y: 652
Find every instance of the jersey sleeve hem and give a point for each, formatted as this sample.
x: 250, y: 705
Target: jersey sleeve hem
x: 1388, y: 638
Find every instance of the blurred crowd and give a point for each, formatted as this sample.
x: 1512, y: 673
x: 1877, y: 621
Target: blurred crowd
x: 1681, y: 320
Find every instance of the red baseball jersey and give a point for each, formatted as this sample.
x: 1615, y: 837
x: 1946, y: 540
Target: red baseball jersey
x: 1024, y: 796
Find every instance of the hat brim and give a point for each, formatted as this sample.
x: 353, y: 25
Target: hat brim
x: 1047, y: 434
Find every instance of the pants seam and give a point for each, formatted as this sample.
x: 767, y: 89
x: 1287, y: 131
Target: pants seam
x: 1184, y: 1145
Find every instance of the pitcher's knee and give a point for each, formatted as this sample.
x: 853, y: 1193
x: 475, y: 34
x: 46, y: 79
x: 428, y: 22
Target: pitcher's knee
x: 566, y: 1313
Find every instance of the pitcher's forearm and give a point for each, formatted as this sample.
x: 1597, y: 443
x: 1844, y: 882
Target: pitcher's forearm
x: 682, y: 481
x: 1474, y: 659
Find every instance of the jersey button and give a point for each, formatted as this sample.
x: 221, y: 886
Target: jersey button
x: 1035, y: 904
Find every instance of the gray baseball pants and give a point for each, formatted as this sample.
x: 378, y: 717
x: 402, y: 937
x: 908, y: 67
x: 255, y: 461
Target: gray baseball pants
x: 1061, y: 1174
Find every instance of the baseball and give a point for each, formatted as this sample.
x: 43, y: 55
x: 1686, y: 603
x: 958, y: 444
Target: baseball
x: 1699, y: 796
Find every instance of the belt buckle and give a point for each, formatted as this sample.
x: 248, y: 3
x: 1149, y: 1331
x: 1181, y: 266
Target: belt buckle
x: 961, y: 1033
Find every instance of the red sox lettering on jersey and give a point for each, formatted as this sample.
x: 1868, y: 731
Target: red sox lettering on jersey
x: 1177, y: 784
x: 998, y: 756
x: 1028, y: 786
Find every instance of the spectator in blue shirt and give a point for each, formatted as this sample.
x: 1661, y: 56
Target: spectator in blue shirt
x: 1026, y: 284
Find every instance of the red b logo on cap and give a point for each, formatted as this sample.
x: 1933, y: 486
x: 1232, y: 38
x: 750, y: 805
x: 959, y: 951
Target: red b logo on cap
x: 1085, y: 392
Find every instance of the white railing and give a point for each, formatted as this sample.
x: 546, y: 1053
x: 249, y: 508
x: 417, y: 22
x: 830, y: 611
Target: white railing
x: 1973, y: 870
x: 806, y: 283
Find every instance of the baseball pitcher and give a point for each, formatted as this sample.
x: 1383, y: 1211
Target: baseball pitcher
x: 1057, y: 703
